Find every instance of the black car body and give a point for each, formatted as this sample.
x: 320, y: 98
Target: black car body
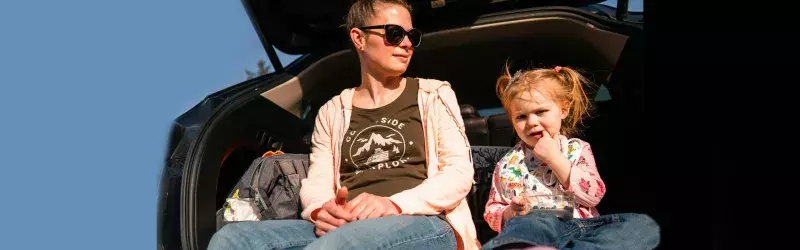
x: 466, y: 43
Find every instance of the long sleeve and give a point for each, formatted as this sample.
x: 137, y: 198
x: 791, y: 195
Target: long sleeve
x: 493, y: 214
x: 585, y: 181
x: 318, y: 187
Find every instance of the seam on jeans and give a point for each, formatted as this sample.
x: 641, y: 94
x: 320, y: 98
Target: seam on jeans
x: 595, y: 222
x: 577, y: 227
x: 509, y: 240
x: 289, y: 244
x: 447, y: 229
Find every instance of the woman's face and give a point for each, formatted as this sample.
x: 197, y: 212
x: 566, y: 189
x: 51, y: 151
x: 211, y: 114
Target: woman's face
x: 376, y: 53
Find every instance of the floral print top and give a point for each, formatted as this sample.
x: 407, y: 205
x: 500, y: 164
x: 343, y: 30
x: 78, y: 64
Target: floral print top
x: 520, y: 171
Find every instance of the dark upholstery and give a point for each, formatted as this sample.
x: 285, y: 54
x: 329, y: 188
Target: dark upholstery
x: 484, y: 160
x: 477, y: 129
x: 468, y: 111
x: 501, y: 133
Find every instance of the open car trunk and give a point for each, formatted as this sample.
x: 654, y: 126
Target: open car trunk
x: 470, y: 58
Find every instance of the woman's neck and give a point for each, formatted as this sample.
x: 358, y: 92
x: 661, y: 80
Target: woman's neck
x: 376, y: 91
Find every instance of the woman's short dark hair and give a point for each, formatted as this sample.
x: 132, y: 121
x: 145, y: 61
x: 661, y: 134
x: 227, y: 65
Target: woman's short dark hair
x: 363, y: 10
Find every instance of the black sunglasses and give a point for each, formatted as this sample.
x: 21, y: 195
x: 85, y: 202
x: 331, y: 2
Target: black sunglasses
x: 395, y: 34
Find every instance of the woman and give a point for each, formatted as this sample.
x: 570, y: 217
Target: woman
x: 390, y: 164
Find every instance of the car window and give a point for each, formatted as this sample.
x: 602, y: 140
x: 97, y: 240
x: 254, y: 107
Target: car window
x: 286, y: 59
x: 633, y: 5
x: 602, y: 94
x: 490, y: 111
x: 264, y: 66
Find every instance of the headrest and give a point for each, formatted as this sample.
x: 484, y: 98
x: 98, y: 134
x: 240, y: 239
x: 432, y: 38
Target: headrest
x: 467, y: 110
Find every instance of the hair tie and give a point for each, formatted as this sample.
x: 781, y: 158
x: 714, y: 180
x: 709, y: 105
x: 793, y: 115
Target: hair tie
x: 513, y: 78
x: 558, y: 69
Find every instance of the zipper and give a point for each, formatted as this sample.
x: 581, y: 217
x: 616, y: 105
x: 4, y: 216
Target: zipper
x: 460, y: 127
x: 426, y: 130
x: 337, y: 157
x: 338, y: 147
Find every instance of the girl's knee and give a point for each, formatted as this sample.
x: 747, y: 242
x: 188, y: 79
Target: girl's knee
x: 646, y: 228
x: 644, y: 221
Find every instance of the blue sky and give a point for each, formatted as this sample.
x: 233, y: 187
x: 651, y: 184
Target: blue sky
x: 88, y: 90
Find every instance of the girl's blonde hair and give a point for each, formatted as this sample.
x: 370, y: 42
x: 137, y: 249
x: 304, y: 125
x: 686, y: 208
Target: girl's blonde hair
x: 563, y: 84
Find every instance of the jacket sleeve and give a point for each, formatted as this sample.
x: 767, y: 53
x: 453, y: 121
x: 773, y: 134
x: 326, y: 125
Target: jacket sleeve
x: 496, y: 204
x: 318, y: 187
x: 449, y: 187
x: 584, y: 180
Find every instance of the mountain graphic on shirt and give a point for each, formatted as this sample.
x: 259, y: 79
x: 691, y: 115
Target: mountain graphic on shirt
x: 377, y: 140
x: 379, y: 156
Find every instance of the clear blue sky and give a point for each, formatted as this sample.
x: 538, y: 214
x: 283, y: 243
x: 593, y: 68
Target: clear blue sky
x: 88, y: 90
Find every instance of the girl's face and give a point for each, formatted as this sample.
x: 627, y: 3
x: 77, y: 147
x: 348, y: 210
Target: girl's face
x: 532, y: 112
x: 378, y: 55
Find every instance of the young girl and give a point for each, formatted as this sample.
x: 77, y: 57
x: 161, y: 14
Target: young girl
x: 549, y: 178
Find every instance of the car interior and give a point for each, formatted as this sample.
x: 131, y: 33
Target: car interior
x: 470, y: 59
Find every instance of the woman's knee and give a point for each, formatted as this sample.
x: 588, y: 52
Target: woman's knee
x: 274, y: 233
x: 420, y: 232
x: 230, y: 231
x: 227, y: 237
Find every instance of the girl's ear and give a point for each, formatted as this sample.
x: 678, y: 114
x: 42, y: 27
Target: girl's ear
x: 564, y: 110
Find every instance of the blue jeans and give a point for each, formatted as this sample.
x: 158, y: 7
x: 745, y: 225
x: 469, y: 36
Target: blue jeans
x: 395, y: 232
x: 613, y: 231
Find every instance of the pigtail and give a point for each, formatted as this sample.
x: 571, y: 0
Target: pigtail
x: 502, y: 84
x: 579, y: 103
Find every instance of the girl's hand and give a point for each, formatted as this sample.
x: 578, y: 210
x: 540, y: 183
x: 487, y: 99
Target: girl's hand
x: 518, y: 207
x: 547, y: 148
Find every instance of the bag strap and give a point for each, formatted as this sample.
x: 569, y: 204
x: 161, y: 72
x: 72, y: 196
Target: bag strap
x: 287, y: 167
x: 302, y: 167
x: 267, y: 210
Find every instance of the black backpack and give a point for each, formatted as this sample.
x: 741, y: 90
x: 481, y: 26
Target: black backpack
x: 273, y: 183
